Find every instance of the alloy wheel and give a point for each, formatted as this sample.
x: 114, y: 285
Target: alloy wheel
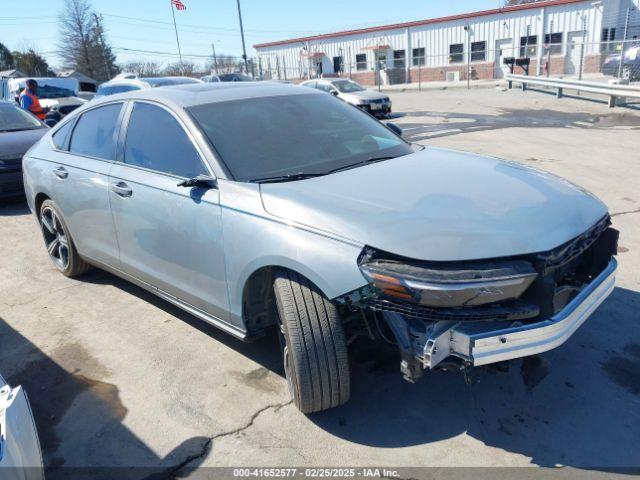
x: 55, y: 238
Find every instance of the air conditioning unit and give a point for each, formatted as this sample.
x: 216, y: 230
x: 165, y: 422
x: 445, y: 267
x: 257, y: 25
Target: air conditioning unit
x: 453, y: 76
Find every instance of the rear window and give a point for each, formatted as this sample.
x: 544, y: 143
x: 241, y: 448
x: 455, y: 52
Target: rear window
x: 94, y: 134
x: 113, y: 89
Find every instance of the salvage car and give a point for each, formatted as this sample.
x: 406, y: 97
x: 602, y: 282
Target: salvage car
x: 20, y: 454
x: 19, y: 130
x: 375, y: 103
x: 627, y: 68
x: 262, y: 205
x: 128, y: 82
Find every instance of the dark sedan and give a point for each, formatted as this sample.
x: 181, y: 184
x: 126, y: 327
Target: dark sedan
x: 18, y: 131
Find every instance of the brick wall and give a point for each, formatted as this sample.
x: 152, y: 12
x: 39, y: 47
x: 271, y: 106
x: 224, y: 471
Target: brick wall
x: 367, y: 78
x: 479, y: 71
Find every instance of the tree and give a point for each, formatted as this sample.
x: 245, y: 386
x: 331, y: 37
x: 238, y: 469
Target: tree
x: 143, y: 68
x: 509, y: 3
x: 6, y: 59
x: 32, y: 64
x: 83, y: 46
x: 186, y: 69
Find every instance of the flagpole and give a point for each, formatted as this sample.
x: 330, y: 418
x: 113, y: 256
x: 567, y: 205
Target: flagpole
x: 173, y: 14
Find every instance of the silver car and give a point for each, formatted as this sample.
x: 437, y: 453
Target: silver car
x: 262, y: 205
x: 375, y: 103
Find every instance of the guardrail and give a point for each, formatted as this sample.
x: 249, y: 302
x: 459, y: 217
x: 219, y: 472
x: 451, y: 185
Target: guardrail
x: 611, y: 90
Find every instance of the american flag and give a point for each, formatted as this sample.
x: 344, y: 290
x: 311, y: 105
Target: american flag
x: 178, y: 4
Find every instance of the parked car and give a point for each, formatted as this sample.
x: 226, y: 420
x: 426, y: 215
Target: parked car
x: 261, y: 205
x: 227, y: 77
x: 630, y: 69
x: 131, y: 82
x: 19, y: 130
x: 20, y: 454
x: 376, y: 103
x: 56, y: 94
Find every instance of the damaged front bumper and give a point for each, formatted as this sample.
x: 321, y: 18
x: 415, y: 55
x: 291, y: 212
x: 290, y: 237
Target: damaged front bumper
x: 482, y: 343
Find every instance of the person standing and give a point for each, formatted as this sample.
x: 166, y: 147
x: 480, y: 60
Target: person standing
x: 29, y: 99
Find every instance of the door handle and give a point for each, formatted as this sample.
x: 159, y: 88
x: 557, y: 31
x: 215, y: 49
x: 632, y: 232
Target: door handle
x: 122, y: 189
x: 61, y: 173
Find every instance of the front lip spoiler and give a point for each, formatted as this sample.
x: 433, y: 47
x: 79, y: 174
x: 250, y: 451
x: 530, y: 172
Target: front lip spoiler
x: 482, y: 348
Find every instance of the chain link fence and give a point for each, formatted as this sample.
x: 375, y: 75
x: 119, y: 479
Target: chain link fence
x: 565, y: 55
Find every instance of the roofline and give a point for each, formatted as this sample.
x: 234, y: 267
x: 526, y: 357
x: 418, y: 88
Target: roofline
x: 395, y: 26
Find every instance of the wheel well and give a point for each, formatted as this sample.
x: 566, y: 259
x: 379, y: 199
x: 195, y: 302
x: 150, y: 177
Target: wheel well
x: 258, y: 300
x: 41, y: 197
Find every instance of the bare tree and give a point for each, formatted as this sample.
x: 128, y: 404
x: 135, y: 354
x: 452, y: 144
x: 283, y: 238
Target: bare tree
x: 509, y: 3
x: 143, y: 68
x: 186, y: 69
x: 76, y: 25
x: 83, y: 45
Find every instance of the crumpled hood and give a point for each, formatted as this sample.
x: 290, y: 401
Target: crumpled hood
x: 440, y: 205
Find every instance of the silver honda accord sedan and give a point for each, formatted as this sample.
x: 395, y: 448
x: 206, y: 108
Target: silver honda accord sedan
x: 262, y: 205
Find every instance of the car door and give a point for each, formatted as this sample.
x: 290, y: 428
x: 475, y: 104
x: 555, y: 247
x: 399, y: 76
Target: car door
x: 83, y: 152
x: 170, y: 237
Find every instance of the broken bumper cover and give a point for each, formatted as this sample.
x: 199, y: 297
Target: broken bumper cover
x: 481, y: 346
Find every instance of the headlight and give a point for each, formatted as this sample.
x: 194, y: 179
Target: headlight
x: 450, y: 284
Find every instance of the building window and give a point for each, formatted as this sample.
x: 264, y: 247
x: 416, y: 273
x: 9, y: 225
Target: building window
x: 418, y: 57
x: 553, y: 41
x: 478, y: 51
x: 361, y: 61
x: 456, y: 53
x: 337, y: 64
x: 398, y: 59
x: 528, y: 46
x: 608, y: 37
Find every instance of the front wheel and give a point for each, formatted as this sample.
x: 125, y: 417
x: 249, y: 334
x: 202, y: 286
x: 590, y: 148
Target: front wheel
x: 312, y: 343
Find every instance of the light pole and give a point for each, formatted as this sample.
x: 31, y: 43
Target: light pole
x: 244, y: 49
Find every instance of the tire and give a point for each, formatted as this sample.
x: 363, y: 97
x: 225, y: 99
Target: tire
x: 57, y: 238
x: 313, y: 344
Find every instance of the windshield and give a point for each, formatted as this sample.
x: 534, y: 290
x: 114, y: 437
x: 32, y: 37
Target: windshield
x: 13, y: 118
x: 49, y: 91
x: 295, y: 134
x: 347, y: 86
x: 166, y: 81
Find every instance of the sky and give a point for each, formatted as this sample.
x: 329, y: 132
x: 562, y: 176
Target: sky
x: 147, y: 24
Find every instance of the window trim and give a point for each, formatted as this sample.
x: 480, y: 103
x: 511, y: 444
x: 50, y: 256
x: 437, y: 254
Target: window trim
x: 365, y: 62
x: 122, y: 137
x: 550, y: 44
x: 403, y: 59
x: 522, y: 50
x: 75, y: 120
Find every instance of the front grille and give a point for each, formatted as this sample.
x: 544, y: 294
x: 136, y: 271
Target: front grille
x: 379, y: 100
x: 512, y: 310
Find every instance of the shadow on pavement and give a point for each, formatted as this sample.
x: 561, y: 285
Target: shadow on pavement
x: 52, y: 390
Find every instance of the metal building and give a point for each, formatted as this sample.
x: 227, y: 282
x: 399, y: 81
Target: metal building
x: 558, y: 37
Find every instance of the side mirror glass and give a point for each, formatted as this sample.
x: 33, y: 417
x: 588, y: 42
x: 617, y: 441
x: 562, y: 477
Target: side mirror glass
x: 334, y: 93
x: 201, y: 181
x: 395, y: 128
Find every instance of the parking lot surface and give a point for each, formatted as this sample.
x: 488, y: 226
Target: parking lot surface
x: 116, y: 376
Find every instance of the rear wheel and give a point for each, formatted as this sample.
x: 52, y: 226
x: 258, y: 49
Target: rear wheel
x: 312, y: 343
x: 58, y: 241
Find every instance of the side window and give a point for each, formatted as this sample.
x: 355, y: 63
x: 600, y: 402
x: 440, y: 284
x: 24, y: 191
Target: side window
x: 155, y: 140
x: 325, y: 87
x: 94, y: 132
x: 62, y: 135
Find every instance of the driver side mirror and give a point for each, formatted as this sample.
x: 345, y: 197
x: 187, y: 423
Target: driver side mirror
x: 200, y: 181
x: 394, y: 128
x: 334, y: 92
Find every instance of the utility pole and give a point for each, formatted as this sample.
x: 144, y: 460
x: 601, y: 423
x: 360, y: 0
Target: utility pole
x: 215, y: 60
x: 624, y: 39
x: 244, y: 49
x: 107, y: 68
x: 175, y: 27
x: 468, y: 30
